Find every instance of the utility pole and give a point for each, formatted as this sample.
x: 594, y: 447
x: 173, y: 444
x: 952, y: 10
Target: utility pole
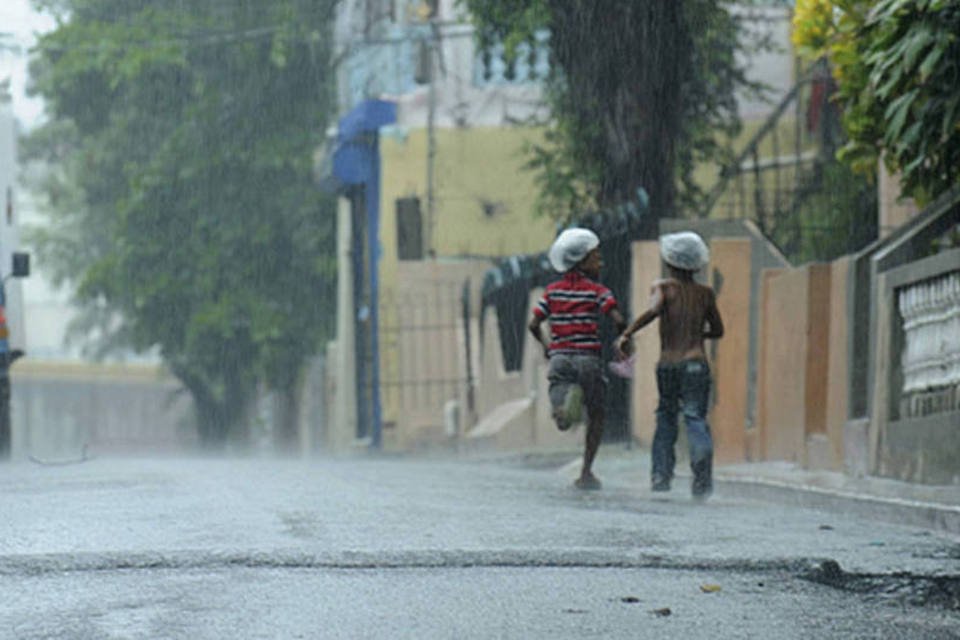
x: 430, y: 57
x: 432, y: 54
x: 431, y: 141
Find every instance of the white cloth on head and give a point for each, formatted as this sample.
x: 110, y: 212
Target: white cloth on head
x: 684, y: 250
x: 571, y: 247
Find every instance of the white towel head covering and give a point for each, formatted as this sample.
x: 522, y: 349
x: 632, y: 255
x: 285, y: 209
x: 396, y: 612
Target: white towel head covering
x: 571, y: 247
x: 684, y: 250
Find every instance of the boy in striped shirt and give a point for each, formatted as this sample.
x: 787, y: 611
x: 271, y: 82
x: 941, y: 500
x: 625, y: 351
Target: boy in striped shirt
x: 573, y: 306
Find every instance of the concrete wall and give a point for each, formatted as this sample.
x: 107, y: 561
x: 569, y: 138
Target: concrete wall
x: 783, y: 346
x: 730, y: 275
x: 838, y: 367
x: 647, y: 268
x: 57, y: 409
x: 795, y: 384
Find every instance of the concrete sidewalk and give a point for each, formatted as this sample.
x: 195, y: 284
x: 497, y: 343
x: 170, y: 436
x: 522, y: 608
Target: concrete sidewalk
x: 934, y: 507
x: 931, y: 507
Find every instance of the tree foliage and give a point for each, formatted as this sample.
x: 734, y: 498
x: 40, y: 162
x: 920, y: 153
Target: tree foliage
x: 897, y: 64
x: 640, y: 94
x: 181, y: 136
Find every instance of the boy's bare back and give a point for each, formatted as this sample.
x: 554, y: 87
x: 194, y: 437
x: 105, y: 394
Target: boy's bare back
x: 688, y: 315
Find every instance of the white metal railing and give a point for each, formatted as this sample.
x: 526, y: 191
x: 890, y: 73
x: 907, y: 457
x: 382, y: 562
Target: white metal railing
x: 931, y: 354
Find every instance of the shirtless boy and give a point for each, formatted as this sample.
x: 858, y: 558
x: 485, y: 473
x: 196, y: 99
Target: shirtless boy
x: 688, y: 314
x: 573, y: 306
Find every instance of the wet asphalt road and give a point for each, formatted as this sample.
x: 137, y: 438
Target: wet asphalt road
x: 440, y: 548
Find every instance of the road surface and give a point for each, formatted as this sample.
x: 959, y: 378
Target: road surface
x: 443, y: 548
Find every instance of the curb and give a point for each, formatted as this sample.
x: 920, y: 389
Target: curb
x: 937, y: 517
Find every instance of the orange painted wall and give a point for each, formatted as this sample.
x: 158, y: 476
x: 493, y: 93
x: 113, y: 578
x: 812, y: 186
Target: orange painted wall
x: 646, y: 269
x: 837, y: 368
x: 782, y: 371
x: 801, y: 397
x: 818, y: 348
x: 730, y: 277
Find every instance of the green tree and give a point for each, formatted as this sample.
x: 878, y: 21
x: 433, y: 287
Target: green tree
x: 182, y: 136
x: 640, y: 94
x: 897, y: 65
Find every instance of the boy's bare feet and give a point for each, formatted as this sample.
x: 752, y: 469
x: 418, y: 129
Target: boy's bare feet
x: 588, y: 482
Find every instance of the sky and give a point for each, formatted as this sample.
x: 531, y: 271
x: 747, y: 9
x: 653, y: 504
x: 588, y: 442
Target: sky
x: 18, y: 18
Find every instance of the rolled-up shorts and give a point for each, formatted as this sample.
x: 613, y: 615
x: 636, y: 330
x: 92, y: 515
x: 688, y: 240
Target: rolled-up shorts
x: 585, y: 370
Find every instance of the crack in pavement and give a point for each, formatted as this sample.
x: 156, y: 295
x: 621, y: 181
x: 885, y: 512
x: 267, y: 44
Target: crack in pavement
x: 39, y: 564
x: 938, y: 591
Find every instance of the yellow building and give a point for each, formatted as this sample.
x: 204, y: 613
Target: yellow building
x: 483, y: 203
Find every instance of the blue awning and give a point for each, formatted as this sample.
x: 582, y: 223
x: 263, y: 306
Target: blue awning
x: 352, y: 157
x: 366, y: 117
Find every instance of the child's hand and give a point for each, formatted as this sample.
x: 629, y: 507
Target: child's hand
x: 624, y: 345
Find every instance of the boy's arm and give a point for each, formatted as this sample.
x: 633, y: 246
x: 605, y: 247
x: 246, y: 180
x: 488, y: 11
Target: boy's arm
x: 619, y: 322
x: 537, y: 332
x: 645, y: 318
x: 608, y: 305
x: 713, y: 320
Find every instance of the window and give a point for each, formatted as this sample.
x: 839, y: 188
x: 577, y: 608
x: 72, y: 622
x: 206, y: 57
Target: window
x: 409, y: 229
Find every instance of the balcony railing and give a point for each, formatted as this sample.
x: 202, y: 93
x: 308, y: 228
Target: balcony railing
x: 930, y: 362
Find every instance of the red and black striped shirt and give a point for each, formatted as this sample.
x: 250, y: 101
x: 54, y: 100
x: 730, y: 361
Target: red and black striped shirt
x: 573, y: 305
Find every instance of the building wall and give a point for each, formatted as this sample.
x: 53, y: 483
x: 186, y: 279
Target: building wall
x: 783, y: 336
x: 798, y: 416
x: 730, y: 275
x: 57, y: 409
x: 647, y: 268
x: 386, y: 46
x: 10, y: 220
x: 497, y: 385
x: 837, y: 405
x: 484, y: 199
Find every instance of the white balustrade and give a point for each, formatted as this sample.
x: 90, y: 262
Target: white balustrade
x: 931, y: 326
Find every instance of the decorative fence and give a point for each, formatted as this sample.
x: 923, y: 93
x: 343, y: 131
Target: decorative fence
x: 916, y: 417
x: 931, y: 355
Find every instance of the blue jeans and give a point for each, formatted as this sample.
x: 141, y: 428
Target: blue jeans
x: 683, y: 386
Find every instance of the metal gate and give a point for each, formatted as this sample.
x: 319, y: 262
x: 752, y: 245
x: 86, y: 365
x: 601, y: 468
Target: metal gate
x: 425, y: 353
